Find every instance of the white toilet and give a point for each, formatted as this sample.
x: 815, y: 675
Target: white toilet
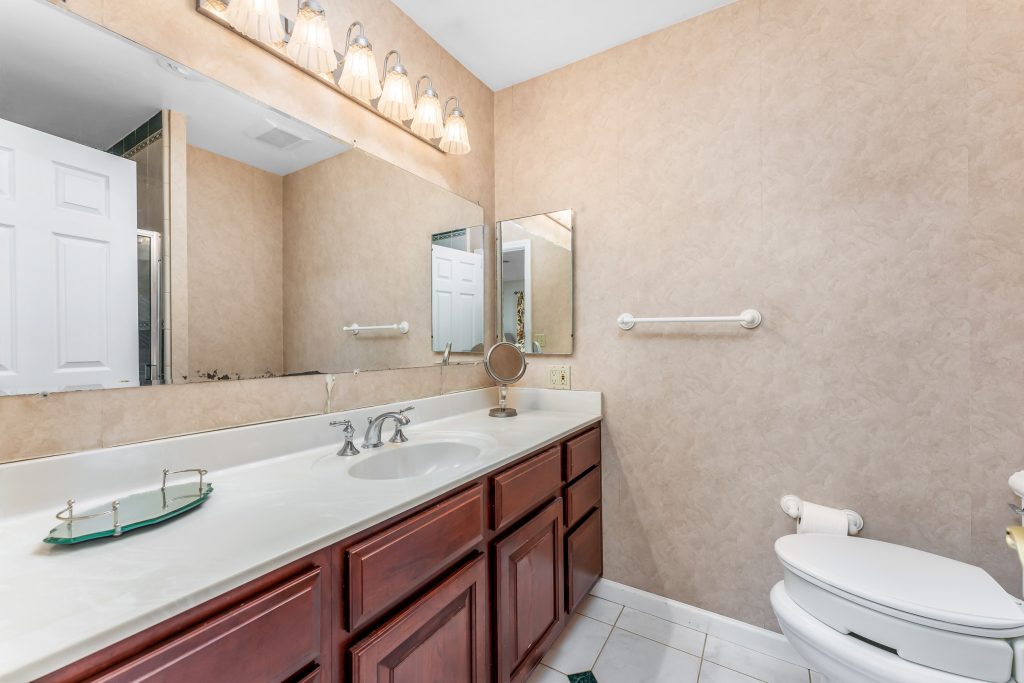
x: 860, y: 610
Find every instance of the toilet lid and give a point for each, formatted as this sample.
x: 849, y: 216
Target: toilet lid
x: 904, y: 579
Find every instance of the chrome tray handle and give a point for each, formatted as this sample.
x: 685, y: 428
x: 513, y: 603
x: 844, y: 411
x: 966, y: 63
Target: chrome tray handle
x: 202, y: 473
x: 70, y: 517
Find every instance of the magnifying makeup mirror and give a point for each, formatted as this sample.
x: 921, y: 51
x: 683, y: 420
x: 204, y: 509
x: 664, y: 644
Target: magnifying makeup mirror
x: 506, y: 364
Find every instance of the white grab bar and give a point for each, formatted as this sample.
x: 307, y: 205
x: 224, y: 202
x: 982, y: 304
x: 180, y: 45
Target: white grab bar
x: 748, y: 319
x: 356, y: 328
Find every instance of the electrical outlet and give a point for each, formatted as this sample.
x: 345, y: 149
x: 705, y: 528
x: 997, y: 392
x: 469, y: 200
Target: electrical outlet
x: 559, y: 376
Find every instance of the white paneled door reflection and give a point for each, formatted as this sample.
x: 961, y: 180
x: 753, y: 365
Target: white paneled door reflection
x: 68, y: 292
x: 458, y: 298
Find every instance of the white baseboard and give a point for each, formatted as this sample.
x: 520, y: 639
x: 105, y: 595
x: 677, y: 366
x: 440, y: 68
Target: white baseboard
x: 751, y: 637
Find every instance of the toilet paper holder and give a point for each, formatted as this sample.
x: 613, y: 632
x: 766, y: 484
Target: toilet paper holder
x: 794, y: 506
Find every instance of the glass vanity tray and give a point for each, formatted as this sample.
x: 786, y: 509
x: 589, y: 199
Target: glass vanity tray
x: 131, y: 512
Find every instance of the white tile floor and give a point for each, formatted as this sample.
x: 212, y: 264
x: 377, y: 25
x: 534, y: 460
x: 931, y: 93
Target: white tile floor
x: 624, y: 645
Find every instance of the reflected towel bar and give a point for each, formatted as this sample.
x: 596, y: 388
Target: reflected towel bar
x: 356, y: 328
x: 748, y: 319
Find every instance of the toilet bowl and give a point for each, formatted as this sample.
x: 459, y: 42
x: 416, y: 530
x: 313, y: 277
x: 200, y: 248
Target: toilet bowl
x: 860, y: 610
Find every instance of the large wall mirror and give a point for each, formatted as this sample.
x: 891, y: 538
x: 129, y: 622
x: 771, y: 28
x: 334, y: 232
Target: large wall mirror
x: 535, y: 282
x: 157, y: 227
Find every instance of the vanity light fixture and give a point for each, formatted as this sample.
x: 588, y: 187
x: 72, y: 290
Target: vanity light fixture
x: 256, y: 19
x: 396, y: 92
x: 359, y: 67
x: 429, y: 119
x: 310, y: 44
x: 455, y: 139
x: 306, y: 42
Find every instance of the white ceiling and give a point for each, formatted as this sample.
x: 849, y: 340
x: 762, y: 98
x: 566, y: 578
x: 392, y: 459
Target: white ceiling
x: 67, y: 77
x: 507, y: 42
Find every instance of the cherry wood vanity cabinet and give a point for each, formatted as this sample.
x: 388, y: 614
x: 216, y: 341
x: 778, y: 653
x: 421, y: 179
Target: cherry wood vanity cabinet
x: 471, y: 587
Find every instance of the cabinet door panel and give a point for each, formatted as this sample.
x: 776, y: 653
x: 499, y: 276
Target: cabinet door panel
x: 529, y: 585
x: 441, y: 637
x: 388, y: 566
x: 584, y: 560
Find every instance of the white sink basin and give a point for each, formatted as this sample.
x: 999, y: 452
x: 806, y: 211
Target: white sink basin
x: 415, y: 461
x: 443, y: 452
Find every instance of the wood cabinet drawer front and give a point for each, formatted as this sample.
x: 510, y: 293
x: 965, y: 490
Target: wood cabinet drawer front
x: 443, y: 636
x: 582, y: 453
x: 268, y: 638
x: 391, y: 565
x: 583, y: 496
x: 523, y: 487
x: 583, y: 561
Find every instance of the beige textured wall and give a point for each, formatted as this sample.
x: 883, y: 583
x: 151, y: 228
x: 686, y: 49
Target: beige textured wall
x: 235, y: 269
x: 34, y: 426
x: 856, y: 172
x: 357, y: 250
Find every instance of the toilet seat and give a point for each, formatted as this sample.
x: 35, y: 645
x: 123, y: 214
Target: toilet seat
x: 905, y: 583
x: 921, y: 609
x: 844, y: 659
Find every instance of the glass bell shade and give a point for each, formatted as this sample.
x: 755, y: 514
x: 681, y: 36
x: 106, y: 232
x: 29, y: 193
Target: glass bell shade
x: 256, y: 19
x: 429, y: 120
x: 359, y: 72
x: 456, y: 135
x: 396, y: 97
x: 310, y: 45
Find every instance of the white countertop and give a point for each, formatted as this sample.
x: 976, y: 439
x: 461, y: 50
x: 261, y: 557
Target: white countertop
x: 61, y: 603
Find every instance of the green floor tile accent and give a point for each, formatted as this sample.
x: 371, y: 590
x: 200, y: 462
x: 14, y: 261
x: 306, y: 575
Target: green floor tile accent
x: 584, y: 677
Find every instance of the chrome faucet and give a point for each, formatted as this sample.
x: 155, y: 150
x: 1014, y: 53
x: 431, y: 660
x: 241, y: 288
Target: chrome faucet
x: 348, y: 448
x: 372, y: 439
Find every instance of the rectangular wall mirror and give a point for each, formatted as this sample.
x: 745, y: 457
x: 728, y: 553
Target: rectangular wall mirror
x: 457, y: 290
x: 535, y: 282
x: 158, y: 227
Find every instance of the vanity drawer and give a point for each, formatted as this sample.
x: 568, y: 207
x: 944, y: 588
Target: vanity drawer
x: 582, y: 496
x: 521, y: 488
x: 584, y: 562
x: 270, y: 637
x: 582, y: 453
x: 394, y: 563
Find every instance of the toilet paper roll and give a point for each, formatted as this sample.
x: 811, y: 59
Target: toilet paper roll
x: 819, y: 519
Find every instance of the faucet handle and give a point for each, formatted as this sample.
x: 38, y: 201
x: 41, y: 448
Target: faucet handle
x: 348, y: 430
x: 348, y: 448
x: 399, y: 436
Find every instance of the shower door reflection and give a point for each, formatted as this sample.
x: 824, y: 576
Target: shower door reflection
x: 150, y: 327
